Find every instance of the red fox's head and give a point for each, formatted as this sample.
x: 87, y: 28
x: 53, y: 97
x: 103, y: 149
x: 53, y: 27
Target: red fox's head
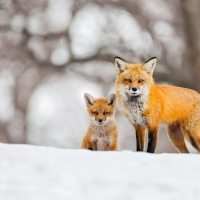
x: 101, y: 110
x: 134, y: 80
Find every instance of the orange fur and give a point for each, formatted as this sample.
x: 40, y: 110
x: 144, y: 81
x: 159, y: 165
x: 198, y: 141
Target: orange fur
x: 101, y: 136
x: 176, y: 106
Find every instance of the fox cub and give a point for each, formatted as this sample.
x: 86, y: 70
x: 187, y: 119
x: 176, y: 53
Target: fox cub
x: 102, y: 134
x: 146, y: 105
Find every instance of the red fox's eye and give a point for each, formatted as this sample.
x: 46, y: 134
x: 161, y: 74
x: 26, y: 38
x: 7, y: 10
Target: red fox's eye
x: 128, y: 80
x: 105, y: 113
x: 95, y: 112
x: 140, y: 80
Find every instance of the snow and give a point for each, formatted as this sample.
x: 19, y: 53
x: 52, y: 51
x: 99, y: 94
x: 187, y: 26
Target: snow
x: 47, y: 173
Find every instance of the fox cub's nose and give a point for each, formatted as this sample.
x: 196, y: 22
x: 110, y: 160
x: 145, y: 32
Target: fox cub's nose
x: 134, y: 89
x: 100, y: 120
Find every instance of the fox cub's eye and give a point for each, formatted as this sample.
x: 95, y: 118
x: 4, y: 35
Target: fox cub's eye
x: 95, y: 112
x: 128, y: 80
x: 140, y: 80
x: 106, y: 113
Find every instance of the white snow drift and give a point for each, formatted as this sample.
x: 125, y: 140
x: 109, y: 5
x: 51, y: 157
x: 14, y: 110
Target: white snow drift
x: 44, y: 173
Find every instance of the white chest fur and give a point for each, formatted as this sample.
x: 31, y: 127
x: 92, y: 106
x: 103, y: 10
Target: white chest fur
x: 133, y: 106
x: 101, y: 136
x: 134, y: 110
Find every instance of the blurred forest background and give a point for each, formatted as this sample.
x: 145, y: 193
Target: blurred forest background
x: 52, y: 51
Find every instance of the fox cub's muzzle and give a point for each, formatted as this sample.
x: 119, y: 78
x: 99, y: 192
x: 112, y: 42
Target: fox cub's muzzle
x: 100, y: 121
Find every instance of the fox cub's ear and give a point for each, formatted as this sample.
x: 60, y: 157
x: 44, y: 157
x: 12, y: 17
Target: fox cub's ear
x: 89, y: 99
x: 111, y: 99
x: 149, y: 65
x: 120, y: 64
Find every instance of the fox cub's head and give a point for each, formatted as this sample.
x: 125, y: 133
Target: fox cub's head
x: 134, y: 80
x: 101, y: 110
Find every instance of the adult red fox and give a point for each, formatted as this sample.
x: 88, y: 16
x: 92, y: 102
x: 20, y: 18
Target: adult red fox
x: 146, y: 105
x: 102, y: 134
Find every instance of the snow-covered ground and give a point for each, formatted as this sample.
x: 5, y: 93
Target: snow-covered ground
x: 46, y: 173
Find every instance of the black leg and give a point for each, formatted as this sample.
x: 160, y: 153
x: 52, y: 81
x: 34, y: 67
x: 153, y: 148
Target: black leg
x: 152, y: 136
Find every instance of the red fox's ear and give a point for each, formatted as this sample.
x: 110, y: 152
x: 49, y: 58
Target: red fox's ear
x: 89, y: 99
x: 120, y: 64
x: 111, y: 99
x: 149, y: 65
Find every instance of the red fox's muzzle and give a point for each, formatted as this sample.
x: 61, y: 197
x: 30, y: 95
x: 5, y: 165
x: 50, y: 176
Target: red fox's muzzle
x: 133, y: 91
x: 134, y: 80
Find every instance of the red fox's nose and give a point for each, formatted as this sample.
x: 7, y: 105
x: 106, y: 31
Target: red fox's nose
x: 134, y: 89
x: 100, y: 120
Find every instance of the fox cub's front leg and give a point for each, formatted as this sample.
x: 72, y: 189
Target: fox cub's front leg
x: 86, y: 144
x: 106, y: 144
x: 111, y: 143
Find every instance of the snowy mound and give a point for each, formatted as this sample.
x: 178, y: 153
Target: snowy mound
x: 44, y: 173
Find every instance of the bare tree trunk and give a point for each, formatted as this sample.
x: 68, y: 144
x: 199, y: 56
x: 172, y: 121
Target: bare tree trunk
x: 191, y: 17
